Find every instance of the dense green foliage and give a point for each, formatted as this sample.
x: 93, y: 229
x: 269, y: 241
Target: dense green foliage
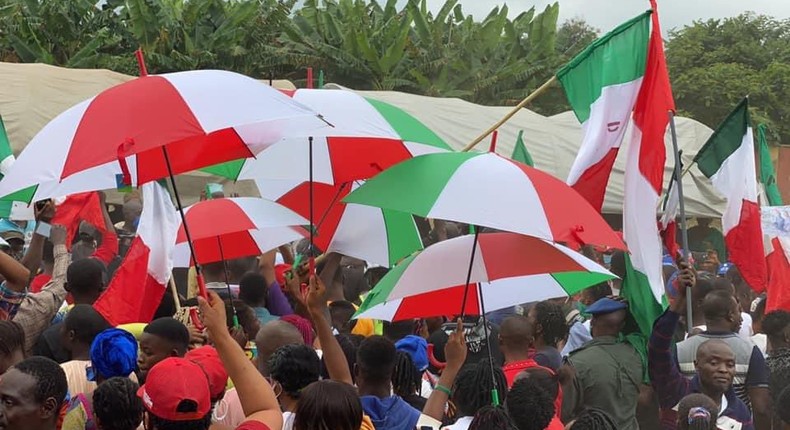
x: 714, y: 64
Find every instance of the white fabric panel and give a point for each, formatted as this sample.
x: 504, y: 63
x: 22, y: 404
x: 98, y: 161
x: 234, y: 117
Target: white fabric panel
x: 362, y: 234
x: 266, y: 239
x: 265, y: 213
x: 479, y: 190
x: 158, y: 228
x: 737, y: 181
x: 289, y: 159
x: 605, y: 127
x: 348, y: 112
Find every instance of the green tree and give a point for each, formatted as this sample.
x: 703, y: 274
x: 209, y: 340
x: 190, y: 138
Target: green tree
x: 715, y: 63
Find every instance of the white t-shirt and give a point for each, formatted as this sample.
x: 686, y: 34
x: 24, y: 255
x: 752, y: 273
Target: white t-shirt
x: 288, y: 420
x: 463, y: 423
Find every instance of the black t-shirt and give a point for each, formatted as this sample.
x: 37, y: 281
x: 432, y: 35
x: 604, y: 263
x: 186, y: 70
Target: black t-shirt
x: 476, y: 345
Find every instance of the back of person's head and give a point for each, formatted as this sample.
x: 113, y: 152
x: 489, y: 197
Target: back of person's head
x: 328, y: 405
x: 376, y: 359
x: 349, y: 343
x: 529, y: 405
x: 704, y: 285
x: 116, y: 405
x: 406, y: 379
x: 544, y: 377
x: 718, y: 305
x: 253, y: 289
x: 396, y: 331
x: 172, y: 331
x: 294, y: 367
x: 85, y: 280
x: 775, y: 325
x: 271, y: 337
x: 12, y: 344
x: 238, y: 267
x: 248, y: 321
x: 493, y: 418
x: 302, y: 325
x: 473, y: 386
x: 51, y: 384
x: 593, y: 419
x: 176, y: 396
x: 83, y: 323
x: 551, y: 318
x: 341, y: 312
x: 596, y: 292
x: 697, y: 412
x: 516, y: 334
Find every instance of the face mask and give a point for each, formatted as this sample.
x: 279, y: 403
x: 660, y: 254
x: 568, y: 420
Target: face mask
x: 607, y: 259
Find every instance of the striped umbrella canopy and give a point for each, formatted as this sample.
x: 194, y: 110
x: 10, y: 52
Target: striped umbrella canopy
x: 507, y: 269
x: 225, y: 229
x: 146, y: 128
x: 367, y: 137
x: 378, y: 236
x: 485, y: 189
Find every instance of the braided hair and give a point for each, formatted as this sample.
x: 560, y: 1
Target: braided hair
x: 594, y: 419
x: 406, y: 379
x: 473, y: 386
x: 552, y: 319
x: 116, y: 404
x: 492, y: 418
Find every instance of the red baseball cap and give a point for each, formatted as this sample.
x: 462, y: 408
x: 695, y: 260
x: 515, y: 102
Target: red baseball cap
x: 170, y: 382
x: 208, y: 358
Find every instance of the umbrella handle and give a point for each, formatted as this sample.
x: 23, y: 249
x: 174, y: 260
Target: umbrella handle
x: 202, y: 286
x: 433, y: 360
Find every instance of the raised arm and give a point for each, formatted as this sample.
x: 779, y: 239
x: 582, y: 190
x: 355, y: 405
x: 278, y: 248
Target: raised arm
x: 335, y: 359
x: 255, y: 394
x: 35, y: 251
x: 455, y: 353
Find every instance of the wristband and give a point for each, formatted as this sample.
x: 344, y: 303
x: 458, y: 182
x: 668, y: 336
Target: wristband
x: 443, y: 389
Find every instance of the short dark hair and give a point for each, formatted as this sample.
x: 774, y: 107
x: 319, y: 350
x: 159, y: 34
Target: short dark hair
x: 171, y: 330
x: 12, y: 337
x: 50, y: 378
x: 493, y: 418
x: 163, y: 424
x: 253, y: 289
x: 598, y: 291
x: 545, y: 378
x: 328, y: 404
x: 85, y: 276
x: 717, y: 304
x: 86, y: 323
x: 376, y: 359
x: 529, y: 405
x: 473, y: 386
x: 295, y: 367
x: 396, y: 331
x: 775, y: 322
x: 349, y: 343
x: 594, y: 419
x: 116, y: 404
x: 550, y: 316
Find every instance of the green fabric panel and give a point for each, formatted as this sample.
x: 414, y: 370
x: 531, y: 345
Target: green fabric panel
x: 727, y: 138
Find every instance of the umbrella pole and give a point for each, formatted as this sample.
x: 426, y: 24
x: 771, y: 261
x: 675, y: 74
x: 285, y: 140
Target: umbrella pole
x: 227, y: 282
x: 310, y: 190
x: 486, y: 332
x: 469, y: 273
x: 198, y: 270
x: 684, y: 238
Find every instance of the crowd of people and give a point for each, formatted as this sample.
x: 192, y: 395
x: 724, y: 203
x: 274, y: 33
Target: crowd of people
x: 277, y: 347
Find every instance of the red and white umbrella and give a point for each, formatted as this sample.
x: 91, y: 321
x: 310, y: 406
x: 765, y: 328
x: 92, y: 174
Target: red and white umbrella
x: 188, y: 120
x: 226, y: 229
x: 507, y: 269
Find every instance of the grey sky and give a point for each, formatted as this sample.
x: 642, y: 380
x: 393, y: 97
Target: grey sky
x: 606, y: 14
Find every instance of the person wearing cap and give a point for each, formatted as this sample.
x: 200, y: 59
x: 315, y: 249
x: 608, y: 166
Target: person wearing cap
x: 606, y: 373
x: 113, y: 353
x: 177, y: 392
x: 714, y: 362
x: 208, y: 359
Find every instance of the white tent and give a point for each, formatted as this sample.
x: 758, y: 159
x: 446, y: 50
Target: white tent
x: 33, y: 94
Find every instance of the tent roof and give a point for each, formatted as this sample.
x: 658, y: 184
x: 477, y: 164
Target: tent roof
x: 554, y: 142
x: 33, y: 94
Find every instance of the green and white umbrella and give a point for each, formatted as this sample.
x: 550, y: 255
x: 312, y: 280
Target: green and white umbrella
x: 507, y: 269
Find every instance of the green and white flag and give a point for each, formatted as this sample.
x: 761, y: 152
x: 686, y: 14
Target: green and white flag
x: 12, y: 206
x: 602, y: 84
x: 767, y: 171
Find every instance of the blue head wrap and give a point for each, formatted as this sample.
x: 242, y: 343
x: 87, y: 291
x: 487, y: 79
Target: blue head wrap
x: 113, y: 353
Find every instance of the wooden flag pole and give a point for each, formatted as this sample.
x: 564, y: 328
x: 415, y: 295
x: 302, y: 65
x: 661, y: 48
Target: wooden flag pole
x: 510, y: 114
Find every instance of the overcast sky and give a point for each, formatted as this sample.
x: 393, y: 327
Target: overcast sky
x: 606, y: 14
